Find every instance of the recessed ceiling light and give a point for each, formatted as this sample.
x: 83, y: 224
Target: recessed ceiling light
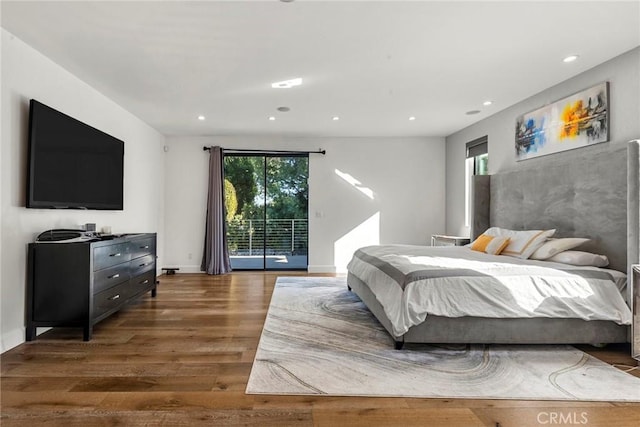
x: 335, y: 118
x: 412, y: 118
x: 472, y: 112
x: 487, y: 103
x: 570, y: 58
x: 272, y: 118
x: 201, y: 117
x: 286, y: 84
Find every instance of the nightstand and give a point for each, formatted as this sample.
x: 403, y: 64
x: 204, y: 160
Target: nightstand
x: 444, y: 240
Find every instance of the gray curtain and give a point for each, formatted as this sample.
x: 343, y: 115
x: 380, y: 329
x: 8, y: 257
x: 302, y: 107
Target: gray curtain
x: 215, y: 259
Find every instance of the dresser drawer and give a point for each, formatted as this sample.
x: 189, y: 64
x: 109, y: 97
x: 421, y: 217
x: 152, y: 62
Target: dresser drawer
x: 142, y: 247
x: 106, y: 256
x: 110, y: 276
x: 141, y: 265
x: 110, y: 299
x: 142, y: 283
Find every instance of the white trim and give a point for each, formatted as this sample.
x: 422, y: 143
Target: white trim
x: 468, y: 176
x: 321, y: 269
x: 311, y: 269
x: 12, y: 339
x: 184, y: 269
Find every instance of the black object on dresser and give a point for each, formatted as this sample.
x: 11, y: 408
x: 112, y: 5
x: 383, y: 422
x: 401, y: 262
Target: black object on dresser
x: 79, y: 284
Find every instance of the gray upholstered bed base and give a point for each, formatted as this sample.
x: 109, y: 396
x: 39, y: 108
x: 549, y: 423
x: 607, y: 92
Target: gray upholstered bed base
x: 590, y: 193
x: 480, y: 330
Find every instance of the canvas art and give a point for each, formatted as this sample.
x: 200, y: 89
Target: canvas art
x: 576, y: 121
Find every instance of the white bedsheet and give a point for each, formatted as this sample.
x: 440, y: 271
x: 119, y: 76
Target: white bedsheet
x: 411, y: 282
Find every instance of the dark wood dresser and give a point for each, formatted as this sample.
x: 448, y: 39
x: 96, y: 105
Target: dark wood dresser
x: 79, y: 284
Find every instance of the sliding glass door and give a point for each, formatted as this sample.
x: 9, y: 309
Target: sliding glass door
x: 266, y: 198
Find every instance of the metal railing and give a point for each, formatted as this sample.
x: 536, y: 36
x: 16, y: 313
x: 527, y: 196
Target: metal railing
x: 246, y: 237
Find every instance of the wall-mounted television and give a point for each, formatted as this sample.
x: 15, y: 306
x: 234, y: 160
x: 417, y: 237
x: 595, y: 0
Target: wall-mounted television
x: 71, y: 164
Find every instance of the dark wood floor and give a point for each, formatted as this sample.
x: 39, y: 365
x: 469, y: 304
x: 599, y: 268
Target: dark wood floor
x: 184, y: 358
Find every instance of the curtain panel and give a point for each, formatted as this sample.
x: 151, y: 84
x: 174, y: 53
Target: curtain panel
x: 215, y: 259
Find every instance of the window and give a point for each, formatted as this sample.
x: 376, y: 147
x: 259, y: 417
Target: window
x: 477, y: 163
x: 481, y: 164
x: 267, y: 216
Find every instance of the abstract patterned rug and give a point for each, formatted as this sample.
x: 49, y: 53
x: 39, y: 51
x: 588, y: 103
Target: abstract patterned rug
x: 319, y: 338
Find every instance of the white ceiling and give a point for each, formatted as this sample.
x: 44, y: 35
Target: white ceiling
x: 371, y: 63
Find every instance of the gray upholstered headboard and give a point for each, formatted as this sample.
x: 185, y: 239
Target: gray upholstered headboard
x: 584, y: 195
x: 633, y: 204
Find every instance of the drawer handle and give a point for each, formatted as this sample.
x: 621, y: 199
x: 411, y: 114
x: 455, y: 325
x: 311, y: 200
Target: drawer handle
x: 142, y: 265
x: 144, y: 282
x: 115, y: 276
x: 115, y: 297
x: 118, y: 254
x: 144, y: 247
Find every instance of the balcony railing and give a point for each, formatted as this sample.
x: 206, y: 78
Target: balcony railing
x: 283, y: 237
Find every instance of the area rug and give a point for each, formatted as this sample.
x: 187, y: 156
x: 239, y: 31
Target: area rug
x: 320, y: 339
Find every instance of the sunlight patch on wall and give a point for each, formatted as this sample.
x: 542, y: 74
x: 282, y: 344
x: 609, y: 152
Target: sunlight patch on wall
x: 355, y: 183
x: 365, y: 234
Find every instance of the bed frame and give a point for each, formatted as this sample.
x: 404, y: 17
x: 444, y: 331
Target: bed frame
x: 483, y: 330
x: 580, y: 193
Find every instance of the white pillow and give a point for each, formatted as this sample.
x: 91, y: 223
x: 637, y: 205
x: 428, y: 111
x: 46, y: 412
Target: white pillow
x: 522, y: 244
x: 580, y: 258
x: 554, y: 246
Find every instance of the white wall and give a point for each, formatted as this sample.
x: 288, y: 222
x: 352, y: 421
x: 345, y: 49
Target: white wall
x: 405, y: 175
x: 28, y: 74
x: 623, y: 75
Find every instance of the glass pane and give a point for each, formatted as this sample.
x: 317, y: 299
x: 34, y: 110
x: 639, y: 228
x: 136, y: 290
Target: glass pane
x: 482, y: 164
x: 244, y: 203
x: 286, y: 213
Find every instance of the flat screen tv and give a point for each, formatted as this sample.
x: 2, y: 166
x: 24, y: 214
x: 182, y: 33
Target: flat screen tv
x: 71, y: 164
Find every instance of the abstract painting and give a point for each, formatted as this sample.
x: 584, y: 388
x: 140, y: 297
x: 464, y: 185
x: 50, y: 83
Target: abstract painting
x: 576, y: 121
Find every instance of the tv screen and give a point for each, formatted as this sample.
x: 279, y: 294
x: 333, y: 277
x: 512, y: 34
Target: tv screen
x: 71, y: 164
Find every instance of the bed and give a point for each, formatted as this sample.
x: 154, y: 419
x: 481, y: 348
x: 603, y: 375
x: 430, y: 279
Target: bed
x: 424, y: 294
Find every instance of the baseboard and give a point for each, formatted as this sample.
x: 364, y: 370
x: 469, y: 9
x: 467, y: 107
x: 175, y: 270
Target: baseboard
x: 12, y: 339
x: 185, y: 268
x: 310, y: 269
x: 321, y: 269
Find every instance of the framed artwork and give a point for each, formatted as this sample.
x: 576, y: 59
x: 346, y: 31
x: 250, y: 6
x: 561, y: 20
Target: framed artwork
x: 573, y: 122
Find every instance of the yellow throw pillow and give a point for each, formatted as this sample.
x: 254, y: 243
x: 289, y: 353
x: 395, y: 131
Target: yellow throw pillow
x: 490, y: 244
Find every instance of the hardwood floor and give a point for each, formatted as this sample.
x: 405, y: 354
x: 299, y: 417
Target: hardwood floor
x: 184, y: 358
